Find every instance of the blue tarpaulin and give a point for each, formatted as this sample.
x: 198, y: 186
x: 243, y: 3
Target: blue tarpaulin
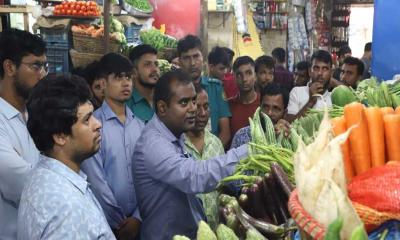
x: 386, y: 39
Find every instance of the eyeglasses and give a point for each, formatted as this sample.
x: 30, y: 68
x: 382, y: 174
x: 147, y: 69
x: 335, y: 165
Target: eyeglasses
x: 38, y: 66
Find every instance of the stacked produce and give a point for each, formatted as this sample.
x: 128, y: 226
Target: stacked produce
x: 97, y: 30
x: 164, y: 66
x: 320, y: 180
x: 142, y: 5
x: 157, y: 39
x: 374, y: 139
x: 78, y: 8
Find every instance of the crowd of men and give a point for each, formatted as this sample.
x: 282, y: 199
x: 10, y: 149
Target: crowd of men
x: 120, y: 152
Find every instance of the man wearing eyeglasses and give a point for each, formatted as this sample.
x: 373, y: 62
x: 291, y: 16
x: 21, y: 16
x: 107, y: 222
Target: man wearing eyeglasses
x: 23, y: 64
x: 109, y: 171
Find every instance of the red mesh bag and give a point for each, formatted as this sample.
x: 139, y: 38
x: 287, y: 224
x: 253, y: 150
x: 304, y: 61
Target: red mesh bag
x: 378, y: 188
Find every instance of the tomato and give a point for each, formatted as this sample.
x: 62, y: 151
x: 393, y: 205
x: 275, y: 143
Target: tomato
x: 80, y: 13
x: 93, y: 3
x: 62, y: 11
x: 74, y: 12
x: 77, y: 7
x: 83, y: 8
x: 69, y: 12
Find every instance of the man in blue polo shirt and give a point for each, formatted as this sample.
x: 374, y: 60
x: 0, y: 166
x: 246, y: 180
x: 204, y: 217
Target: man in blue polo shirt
x: 145, y: 76
x: 191, y: 60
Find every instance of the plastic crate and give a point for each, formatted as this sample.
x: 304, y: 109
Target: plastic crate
x: 132, y: 33
x: 56, y: 35
x: 58, y: 58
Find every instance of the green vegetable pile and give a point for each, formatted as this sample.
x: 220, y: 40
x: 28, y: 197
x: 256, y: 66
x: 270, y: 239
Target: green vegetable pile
x: 164, y: 66
x: 142, y: 5
x: 265, y: 149
x: 158, y: 40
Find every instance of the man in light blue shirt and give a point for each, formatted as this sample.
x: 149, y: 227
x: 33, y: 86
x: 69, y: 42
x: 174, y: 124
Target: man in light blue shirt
x: 109, y: 171
x: 23, y: 64
x: 57, y: 202
x: 167, y: 179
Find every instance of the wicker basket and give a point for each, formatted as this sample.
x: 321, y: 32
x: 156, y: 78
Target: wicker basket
x: 311, y: 229
x: 87, y: 44
x: 80, y: 59
x: 166, y: 53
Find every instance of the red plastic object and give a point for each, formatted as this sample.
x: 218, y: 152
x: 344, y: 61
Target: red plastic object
x: 180, y: 17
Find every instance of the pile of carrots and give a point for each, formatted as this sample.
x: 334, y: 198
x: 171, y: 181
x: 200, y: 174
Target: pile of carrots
x: 374, y: 139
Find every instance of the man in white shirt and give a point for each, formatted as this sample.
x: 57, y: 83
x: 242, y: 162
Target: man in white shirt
x: 23, y: 64
x: 315, y: 94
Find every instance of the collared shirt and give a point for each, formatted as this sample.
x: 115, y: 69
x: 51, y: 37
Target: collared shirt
x: 140, y: 106
x: 109, y: 171
x: 299, y: 97
x: 18, y: 155
x: 284, y: 77
x: 167, y: 180
x: 57, y: 203
x: 219, y: 108
x: 242, y: 136
x: 212, y: 148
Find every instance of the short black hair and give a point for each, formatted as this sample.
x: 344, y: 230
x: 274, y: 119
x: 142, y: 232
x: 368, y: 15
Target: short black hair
x: 114, y: 63
x: 368, y: 47
x: 273, y: 89
x: 266, y: 61
x: 137, y: 52
x: 187, y: 43
x: 218, y: 56
x: 323, y: 56
x: 243, y: 60
x: 16, y: 44
x: 53, y: 106
x: 279, y: 54
x: 163, y: 90
x: 343, y: 50
x: 90, y: 73
x: 357, y: 62
x: 303, y: 65
x: 230, y: 53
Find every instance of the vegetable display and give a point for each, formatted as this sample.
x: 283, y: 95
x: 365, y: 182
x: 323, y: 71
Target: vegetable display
x: 142, y: 5
x: 78, y: 8
x: 164, y: 66
x: 321, y: 182
x: 97, y: 30
x: 158, y: 40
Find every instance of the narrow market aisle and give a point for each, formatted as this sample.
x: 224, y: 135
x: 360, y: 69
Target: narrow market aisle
x: 241, y: 48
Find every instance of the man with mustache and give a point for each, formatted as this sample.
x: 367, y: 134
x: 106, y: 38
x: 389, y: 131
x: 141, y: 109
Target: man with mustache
x: 303, y: 98
x: 57, y: 202
x: 167, y: 178
x: 191, y: 60
x: 145, y: 76
x: 109, y: 171
x: 23, y: 65
x: 202, y: 145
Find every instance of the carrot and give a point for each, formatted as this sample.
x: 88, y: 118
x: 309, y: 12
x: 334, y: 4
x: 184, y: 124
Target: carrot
x: 397, y: 111
x: 360, y: 152
x: 387, y: 110
x: 339, y: 127
x: 376, y: 133
x: 392, y: 135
